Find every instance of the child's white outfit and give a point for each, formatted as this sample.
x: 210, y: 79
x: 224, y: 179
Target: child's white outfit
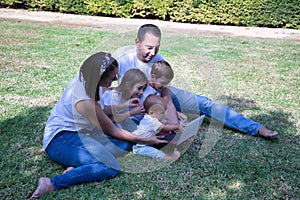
x: 148, y: 127
x: 114, y: 97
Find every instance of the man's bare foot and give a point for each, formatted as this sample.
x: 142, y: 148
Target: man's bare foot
x: 44, y: 187
x: 264, y: 132
x: 68, y: 169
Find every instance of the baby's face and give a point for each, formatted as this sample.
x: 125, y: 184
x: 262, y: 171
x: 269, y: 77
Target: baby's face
x: 157, y: 111
x: 159, y: 83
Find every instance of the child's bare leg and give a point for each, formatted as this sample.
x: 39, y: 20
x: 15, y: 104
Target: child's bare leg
x: 44, y: 187
x: 174, y: 156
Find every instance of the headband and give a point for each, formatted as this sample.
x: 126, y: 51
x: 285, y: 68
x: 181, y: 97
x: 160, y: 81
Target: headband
x: 105, y: 63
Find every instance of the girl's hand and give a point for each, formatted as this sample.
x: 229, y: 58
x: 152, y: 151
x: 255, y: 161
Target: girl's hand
x: 133, y: 102
x: 139, y: 109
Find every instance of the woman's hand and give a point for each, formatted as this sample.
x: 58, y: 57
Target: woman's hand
x: 153, y: 140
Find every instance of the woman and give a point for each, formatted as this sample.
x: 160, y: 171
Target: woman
x: 74, y: 133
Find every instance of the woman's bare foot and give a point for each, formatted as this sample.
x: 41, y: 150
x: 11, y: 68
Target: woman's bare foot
x: 264, y: 132
x: 44, y: 187
x: 68, y: 169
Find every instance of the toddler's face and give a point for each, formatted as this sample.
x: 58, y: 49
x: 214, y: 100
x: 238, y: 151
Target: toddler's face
x: 159, y: 83
x: 157, y: 111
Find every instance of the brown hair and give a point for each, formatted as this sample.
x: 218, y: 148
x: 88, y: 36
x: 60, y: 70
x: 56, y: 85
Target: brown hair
x: 93, y: 69
x: 148, y: 28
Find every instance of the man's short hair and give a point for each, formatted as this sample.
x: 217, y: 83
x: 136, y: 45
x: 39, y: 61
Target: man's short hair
x: 148, y: 28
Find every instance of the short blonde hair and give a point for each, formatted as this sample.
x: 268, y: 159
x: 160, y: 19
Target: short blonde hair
x: 162, y: 69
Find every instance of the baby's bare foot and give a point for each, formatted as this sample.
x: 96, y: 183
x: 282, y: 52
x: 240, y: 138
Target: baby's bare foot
x: 68, y: 169
x: 44, y: 187
x: 174, y: 156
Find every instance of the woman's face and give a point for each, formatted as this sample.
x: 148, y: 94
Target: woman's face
x: 107, y: 80
x: 138, y: 90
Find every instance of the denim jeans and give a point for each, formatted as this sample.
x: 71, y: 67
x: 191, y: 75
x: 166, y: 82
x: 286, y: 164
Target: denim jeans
x: 187, y: 102
x: 92, y: 160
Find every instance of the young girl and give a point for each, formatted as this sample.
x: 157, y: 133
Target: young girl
x: 123, y: 101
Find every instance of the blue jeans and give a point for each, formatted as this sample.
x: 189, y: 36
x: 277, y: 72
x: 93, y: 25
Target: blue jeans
x: 187, y: 102
x: 92, y: 160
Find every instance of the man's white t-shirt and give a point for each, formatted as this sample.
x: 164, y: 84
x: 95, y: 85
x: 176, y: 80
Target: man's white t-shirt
x: 127, y: 59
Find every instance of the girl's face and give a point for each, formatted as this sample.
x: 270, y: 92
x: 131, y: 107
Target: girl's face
x: 107, y: 81
x: 138, y: 89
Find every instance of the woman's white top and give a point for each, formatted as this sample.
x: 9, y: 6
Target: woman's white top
x: 64, y: 116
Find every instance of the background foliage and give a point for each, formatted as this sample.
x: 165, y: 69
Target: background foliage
x: 265, y: 13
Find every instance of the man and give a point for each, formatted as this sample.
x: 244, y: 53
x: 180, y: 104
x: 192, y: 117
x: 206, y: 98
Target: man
x: 145, y: 54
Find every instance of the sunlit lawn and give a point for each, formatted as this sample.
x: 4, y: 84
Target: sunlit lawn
x: 259, y: 78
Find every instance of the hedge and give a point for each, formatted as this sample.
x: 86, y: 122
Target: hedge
x: 262, y: 13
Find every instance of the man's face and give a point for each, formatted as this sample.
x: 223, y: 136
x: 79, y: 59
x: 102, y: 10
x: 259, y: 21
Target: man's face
x: 147, y: 48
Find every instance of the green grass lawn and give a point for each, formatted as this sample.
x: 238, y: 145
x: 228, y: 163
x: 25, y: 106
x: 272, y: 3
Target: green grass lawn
x: 258, y: 77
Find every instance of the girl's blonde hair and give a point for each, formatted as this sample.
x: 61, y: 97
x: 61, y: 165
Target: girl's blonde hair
x: 130, y: 78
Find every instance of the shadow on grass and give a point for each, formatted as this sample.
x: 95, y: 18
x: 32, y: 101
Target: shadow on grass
x: 223, y: 172
x: 275, y: 120
x: 29, y: 123
x: 23, y: 160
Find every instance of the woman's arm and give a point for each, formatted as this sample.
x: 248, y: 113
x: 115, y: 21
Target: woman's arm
x: 93, y: 112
